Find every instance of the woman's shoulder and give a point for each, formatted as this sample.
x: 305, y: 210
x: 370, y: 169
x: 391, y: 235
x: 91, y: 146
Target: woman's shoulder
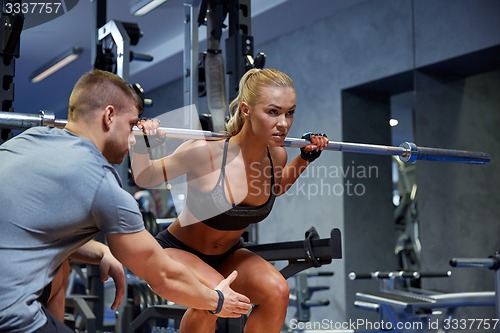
x: 203, y: 143
x: 278, y: 155
x: 199, y: 153
x: 195, y: 146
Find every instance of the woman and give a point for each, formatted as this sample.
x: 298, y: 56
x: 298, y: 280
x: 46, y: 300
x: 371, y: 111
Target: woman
x: 231, y: 184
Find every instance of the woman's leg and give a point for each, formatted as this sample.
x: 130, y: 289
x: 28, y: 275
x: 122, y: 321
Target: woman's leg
x: 264, y: 285
x: 197, y: 321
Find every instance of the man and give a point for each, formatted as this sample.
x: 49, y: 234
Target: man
x: 59, y: 189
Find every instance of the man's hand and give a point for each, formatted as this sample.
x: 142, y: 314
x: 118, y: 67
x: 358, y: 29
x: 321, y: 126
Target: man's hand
x: 235, y: 304
x: 97, y: 253
x: 110, y: 267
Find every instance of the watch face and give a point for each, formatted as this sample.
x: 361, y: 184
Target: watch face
x: 37, y: 12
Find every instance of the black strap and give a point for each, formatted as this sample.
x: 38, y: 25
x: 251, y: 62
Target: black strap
x: 311, y: 257
x: 220, y: 8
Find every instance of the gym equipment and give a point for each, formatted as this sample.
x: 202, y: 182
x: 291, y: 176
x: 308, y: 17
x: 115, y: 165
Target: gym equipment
x: 12, y: 25
x: 150, y: 222
x: 412, y: 310
x: 301, y: 295
x: 493, y: 263
x: 408, y: 246
x: 84, y: 318
x: 81, y: 313
x: 204, y: 73
x: 190, y: 54
x: 121, y: 35
x: 146, y: 304
x: 301, y: 255
x: 407, y: 152
x: 214, y: 64
x: 239, y: 43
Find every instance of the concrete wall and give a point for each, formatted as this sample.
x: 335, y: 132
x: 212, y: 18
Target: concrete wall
x: 370, y: 41
x: 459, y: 204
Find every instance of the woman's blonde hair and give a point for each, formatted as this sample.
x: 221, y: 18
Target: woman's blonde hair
x: 249, y: 92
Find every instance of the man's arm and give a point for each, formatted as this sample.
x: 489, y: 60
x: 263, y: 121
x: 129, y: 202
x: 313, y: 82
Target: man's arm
x: 170, y: 279
x: 97, y: 253
x: 92, y: 252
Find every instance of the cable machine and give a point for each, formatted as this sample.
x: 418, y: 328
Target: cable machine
x: 10, y: 36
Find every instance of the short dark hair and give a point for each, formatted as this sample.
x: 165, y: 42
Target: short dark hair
x: 98, y: 88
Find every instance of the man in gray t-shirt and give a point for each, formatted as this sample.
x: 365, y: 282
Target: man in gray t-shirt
x: 59, y: 189
x: 63, y: 191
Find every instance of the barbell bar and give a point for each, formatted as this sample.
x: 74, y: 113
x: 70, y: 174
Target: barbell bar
x: 22, y: 121
x: 407, y: 152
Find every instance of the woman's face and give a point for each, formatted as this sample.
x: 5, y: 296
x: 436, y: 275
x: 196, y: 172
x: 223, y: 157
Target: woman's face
x: 272, y: 116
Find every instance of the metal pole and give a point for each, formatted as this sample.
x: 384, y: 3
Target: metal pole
x: 496, y: 267
x: 22, y: 121
x: 493, y: 263
x: 190, y: 54
x: 407, y: 152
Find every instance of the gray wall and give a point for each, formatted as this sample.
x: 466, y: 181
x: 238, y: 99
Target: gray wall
x: 368, y: 212
x: 459, y: 204
x: 369, y: 41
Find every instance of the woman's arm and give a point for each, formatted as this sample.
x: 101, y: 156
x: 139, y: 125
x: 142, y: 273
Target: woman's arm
x: 193, y: 158
x: 291, y: 171
x: 290, y: 174
x: 149, y: 173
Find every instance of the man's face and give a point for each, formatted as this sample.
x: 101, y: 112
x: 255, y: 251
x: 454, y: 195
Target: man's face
x: 120, y: 133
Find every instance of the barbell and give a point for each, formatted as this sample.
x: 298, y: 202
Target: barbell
x: 407, y: 152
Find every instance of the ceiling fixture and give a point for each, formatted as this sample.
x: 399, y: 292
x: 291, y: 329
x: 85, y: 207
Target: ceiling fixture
x: 393, y: 122
x: 142, y: 7
x: 56, y: 64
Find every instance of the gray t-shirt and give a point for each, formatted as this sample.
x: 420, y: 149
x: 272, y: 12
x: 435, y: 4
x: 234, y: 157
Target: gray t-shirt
x: 57, y: 192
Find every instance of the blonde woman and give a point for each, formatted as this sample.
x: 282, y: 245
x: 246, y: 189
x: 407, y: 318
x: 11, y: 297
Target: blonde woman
x: 233, y: 183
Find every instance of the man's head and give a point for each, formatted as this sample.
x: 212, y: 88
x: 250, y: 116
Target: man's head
x: 103, y: 108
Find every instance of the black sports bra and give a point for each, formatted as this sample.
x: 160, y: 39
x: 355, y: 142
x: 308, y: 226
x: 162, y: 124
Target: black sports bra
x: 214, y: 210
